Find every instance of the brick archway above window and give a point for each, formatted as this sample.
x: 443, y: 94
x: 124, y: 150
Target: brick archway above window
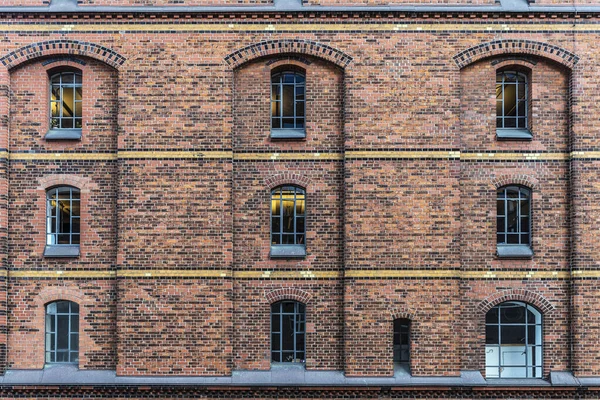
x: 536, y: 300
x: 82, y: 183
x: 62, y: 46
x: 286, y: 178
x: 288, y: 294
x: 402, y: 312
x: 523, y: 180
x: 288, y: 46
x: 515, y: 46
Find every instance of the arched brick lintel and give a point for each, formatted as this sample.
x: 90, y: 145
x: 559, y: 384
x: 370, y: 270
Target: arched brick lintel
x: 287, y: 46
x: 526, y: 296
x: 286, y: 178
x: 62, y: 46
x: 288, y: 294
x: 515, y: 46
x: 523, y: 180
x: 402, y: 312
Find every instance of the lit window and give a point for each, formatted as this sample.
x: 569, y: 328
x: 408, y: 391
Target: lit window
x: 288, y: 222
x: 288, y: 104
x: 62, y: 222
x: 513, y: 221
x: 62, y: 332
x: 513, y: 341
x: 66, y: 100
x: 402, y: 340
x: 288, y: 331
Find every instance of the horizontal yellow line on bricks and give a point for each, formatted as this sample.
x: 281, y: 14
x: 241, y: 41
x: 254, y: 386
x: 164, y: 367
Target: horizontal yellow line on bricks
x: 402, y: 154
x: 402, y: 273
x: 175, y: 154
x: 288, y: 156
x: 61, y: 274
x: 174, y: 273
x: 63, y: 156
x: 287, y: 274
x: 514, y: 156
x: 292, y: 27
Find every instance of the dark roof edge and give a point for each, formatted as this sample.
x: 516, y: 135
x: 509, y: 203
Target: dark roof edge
x: 296, y: 6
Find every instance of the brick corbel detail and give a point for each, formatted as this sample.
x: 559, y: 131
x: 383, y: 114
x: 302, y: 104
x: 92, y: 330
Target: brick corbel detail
x: 523, y: 180
x: 515, y: 46
x: 286, y: 178
x: 287, y: 46
x: 288, y: 294
x: 62, y: 46
x: 536, y: 300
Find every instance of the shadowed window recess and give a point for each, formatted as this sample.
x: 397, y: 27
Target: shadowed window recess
x: 513, y: 341
x: 62, y: 332
x: 513, y: 221
x: 288, y: 325
x: 63, y: 221
x: 512, y: 105
x: 288, y: 104
x: 402, y: 341
x: 288, y: 222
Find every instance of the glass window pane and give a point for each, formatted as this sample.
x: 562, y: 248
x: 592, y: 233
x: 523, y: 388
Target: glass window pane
x: 491, y: 334
x: 492, y: 316
x: 300, y: 239
x: 513, y: 372
x: 275, y: 323
x: 300, y: 109
x: 510, y: 100
x: 288, y: 101
x: 275, y: 342
x: 78, y: 109
x: 512, y: 313
x: 74, y: 341
x: 275, y: 239
x: 66, y: 123
x: 512, y: 239
x: 300, y: 123
x: 275, y: 92
x: 522, y: 123
x: 500, y: 224
x: 62, y: 306
x: 276, y: 357
x: 299, y: 92
x: 300, y: 225
x: 512, y: 335
x: 68, y: 77
x: 288, y: 307
x: 287, y: 239
x: 510, y: 122
x: 288, y: 123
x: 276, y: 123
x: 500, y: 207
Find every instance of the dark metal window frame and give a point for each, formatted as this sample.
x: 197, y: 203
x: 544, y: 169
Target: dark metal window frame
x: 401, y: 330
x: 500, y: 119
x: 531, y: 370
x: 501, y: 195
x: 298, y: 247
x: 298, y: 331
x: 62, y: 86
x: 53, y: 336
x: 278, y: 78
x: 52, y: 195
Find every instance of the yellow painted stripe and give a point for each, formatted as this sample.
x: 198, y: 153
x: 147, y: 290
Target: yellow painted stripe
x: 175, y: 273
x: 408, y: 154
x: 402, y: 154
x: 175, y: 154
x: 289, y: 156
x: 293, y: 27
x: 287, y: 274
x: 514, y: 156
x: 307, y: 274
x: 63, y: 156
x: 61, y: 274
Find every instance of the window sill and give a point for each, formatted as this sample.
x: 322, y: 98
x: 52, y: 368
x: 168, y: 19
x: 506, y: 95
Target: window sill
x: 64, y: 251
x: 288, y: 134
x: 63, y: 134
x: 514, y: 251
x: 288, y: 251
x: 513, y: 134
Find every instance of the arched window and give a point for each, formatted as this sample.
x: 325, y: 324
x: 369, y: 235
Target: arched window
x: 62, y: 332
x: 288, y: 104
x: 513, y: 341
x: 402, y: 341
x: 288, y: 222
x: 513, y: 221
x: 288, y: 322
x: 62, y: 222
x: 66, y: 96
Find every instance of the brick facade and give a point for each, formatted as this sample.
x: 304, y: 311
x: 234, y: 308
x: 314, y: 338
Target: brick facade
x: 401, y: 164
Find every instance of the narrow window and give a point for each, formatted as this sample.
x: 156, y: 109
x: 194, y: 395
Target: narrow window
x: 288, y: 104
x: 62, y: 222
x: 512, y: 105
x: 402, y: 341
x: 62, y: 332
x: 513, y: 341
x: 513, y: 221
x: 288, y: 331
x: 288, y: 222
x: 66, y: 100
